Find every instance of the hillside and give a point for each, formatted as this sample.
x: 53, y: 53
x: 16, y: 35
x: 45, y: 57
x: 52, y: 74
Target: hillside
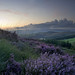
x: 71, y: 40
x: 26, y: 54
x: 8, y: 35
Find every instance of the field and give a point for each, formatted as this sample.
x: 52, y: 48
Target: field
x: 72, y: 40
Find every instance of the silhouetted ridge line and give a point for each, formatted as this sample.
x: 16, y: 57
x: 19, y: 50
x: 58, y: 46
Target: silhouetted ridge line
x: 8, y: 35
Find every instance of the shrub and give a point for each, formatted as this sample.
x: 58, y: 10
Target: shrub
x: 42, y: 48
x: 54, y: 64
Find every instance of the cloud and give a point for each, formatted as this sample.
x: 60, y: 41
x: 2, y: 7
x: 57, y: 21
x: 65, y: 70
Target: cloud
x: 56, y: 24
x: 13, y: 12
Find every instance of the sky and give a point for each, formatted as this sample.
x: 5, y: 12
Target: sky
x: 16, y: 13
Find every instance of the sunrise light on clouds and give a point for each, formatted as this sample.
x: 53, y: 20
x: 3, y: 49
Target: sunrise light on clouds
x: 16, y: 13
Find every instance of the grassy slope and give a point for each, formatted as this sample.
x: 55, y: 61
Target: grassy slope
x: 27, y: 52
x: 6, y: 49
x: 70, y: 40
x: 69, y: 51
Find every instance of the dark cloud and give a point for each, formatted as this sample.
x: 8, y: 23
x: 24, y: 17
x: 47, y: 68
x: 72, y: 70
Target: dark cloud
x: 56, y: 24
x: 44, y: 27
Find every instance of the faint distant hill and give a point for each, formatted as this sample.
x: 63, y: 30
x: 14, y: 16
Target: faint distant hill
x: 50, y: 35
x: 53, y: 26
x: 8, y: 35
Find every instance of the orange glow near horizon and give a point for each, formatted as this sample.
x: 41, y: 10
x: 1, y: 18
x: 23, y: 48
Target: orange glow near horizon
x: 8, y: 20
x: 18, y: 13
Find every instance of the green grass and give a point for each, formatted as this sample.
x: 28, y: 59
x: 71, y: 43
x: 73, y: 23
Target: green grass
x: 72, y: 40
x: 29, y: 51
x: 6, y: 49
x: 69, y: 51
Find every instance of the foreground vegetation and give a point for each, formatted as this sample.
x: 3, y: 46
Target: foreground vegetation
x: 68, y: 45
x: 34, y: 57
x: 52, y: 59
x: 24, y: 51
